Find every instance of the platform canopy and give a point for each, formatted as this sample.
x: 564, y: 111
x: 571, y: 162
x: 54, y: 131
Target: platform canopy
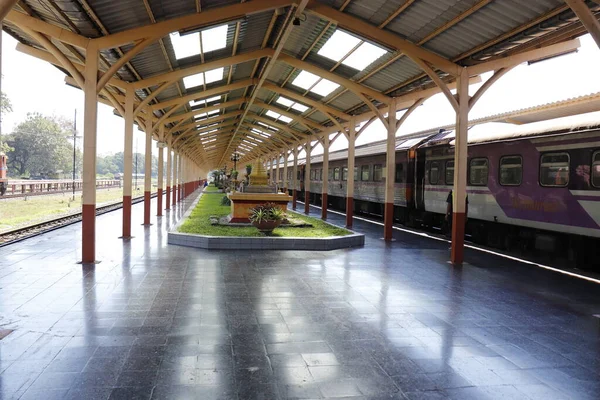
x: 262, y: 76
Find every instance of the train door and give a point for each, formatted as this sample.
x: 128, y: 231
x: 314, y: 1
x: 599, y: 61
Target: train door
x: 420, y: 180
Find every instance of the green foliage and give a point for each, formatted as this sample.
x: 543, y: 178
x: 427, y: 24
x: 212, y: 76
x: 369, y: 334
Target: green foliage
x: 266, y: 212
x: 210, y: 205
x: 225, y: 201
x: 40, y: 146
x: 5, y: 104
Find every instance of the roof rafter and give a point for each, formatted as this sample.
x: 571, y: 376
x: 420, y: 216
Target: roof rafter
x: 195, y: 21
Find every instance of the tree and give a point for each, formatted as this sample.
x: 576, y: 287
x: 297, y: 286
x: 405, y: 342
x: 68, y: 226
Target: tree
x: 5, y: 108
x: 40, y: 146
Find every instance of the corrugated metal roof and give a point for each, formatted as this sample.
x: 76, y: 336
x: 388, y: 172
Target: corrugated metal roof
x: 420, y: 19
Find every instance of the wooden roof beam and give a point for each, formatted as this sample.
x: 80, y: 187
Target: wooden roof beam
x: 192, y: 21
x: 192, y: 113
x: 347, y: 83
x: 324, y: 108
x: 203, y: 94
x: 182, y: 73
x: 387, y: 39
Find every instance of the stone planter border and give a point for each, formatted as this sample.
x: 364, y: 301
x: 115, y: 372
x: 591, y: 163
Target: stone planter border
x: 258, y: 243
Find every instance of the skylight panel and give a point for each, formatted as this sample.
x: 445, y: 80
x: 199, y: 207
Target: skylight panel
x: 214, y: 75
x: 195, y: 103
x: 285, y: 119
x: 193, y: 80
x: 186, y: 45
x: 285, y: 101
x: 214, y: 38
x: 256, y: 131
x: 273, y: 114
x: 299, y: 107
x: 212, y: 99
x: 305, y: 80
x: 324, y: 87
x: 364, y: 56
x: 338, y: 45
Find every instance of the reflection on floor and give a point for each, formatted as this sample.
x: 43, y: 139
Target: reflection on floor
x: 387, y: 321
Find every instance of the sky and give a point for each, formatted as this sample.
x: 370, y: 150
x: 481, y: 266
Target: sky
x: 36, y: 86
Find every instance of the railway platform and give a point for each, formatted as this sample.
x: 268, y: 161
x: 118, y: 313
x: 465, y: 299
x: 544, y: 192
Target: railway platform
x: 392, y: 320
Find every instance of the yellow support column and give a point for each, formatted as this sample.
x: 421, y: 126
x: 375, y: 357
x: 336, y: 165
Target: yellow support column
x: 307, y: 179
x: 460, y: 170
x: 90, y: 125
x: 390, y: 165
x: 148, y: 172
x: 350, y: 182
x: 128, y: 162
x: 325, y: 186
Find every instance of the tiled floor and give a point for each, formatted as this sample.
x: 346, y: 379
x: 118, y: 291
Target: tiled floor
x: 383, y: 322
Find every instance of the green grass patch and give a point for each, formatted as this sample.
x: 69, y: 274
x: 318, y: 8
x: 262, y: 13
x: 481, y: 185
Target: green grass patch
x: 199, y: 223
x: 211, y: 189
x: 18, y: 212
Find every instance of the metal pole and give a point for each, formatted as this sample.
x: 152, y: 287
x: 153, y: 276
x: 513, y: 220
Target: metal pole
x: 74, y: 150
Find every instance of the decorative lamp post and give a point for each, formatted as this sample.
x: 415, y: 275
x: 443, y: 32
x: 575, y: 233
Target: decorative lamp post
x: 235, y: 157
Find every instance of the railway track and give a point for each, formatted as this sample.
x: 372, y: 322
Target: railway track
x: 16, y: 235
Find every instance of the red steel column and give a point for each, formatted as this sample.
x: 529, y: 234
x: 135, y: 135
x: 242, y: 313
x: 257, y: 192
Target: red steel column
x: 295, y: 178
x: 325, y: 185
x: 169, y: 171
x: 460, y: 170
x: 148, y: 172
x: 390, y: 163
x: 159, y: 197
x: 128, y: 162
x: 307, y: 179
x: 90, y: 126
x: 350, y: 182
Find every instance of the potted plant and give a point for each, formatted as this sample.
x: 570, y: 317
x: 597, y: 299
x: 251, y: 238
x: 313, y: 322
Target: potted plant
x: 234, y: 175
x: 266, y: 217
x: 248, y: 169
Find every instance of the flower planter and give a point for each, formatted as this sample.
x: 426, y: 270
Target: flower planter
x: 266, y: 226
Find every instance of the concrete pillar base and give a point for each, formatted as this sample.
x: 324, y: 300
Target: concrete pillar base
x: 324, y: 206
x: 294, y: 198
x: 349, y: 211
x: 458, y: 238
x: 159, y: 203
x: 147, y: 199
x: 88, y: 234
x: 126, y: 217
x: 388, y: 222
x: 306, y: 202
x: 168, y: 198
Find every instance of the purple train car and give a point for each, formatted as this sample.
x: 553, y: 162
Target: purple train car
x: 534, y: 186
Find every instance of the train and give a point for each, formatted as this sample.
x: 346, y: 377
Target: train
x: 3, y: 174
x: 530, y: 187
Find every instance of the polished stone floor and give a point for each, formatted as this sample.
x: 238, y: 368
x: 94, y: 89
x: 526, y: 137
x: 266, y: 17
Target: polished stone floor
x: 388, y: 321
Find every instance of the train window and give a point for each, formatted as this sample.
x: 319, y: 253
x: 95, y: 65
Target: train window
x: 336, y: 174
x: 554, y: 169
x: 377, y: 172
x: 345, y: 173
x: 511, y: 170
x: 434, y: 173
x: 298, y: 175
x: 312, y: 174
x: 399, y: 175
x: 478, y: 172
x: 596, y: 169
x: 290, y: 173
x: 321, y: 174
x: 355, y: 173
x: 449, y: 179
x: 365, y: 173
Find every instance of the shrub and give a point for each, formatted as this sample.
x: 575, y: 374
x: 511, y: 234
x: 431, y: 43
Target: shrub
x: 225, y: 201
x: 266, y: 212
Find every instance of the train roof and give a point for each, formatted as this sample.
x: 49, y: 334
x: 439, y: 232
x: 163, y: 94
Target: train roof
x: 496, y: 132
